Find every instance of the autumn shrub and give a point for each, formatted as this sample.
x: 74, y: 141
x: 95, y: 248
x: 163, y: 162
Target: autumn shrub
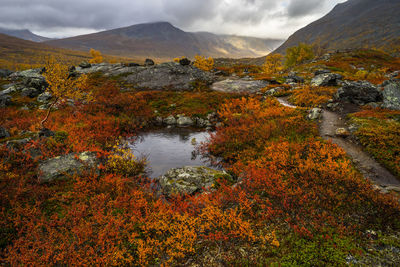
x: 122, y: 161
x: 96, y: 56
x: 378, y: 132
x: 273, y: 64
x: 298, y: 54
x: 308, y: 96
x: 203, y: 63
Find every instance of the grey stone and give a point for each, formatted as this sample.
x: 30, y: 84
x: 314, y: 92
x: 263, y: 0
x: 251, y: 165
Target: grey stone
x: 61, y: 167
x: 44, y: 97
x: 149, y: 62
x: 391, y: 95
x: 326, y: 79
x: 5, y: 100
x: 315, y: 114
x: 184, y: 121
x: 189, y: 180
x: 31, y: 73
x: 170, y: 120
x: 4, y: 133
x: 85, y: 65
x: 360, y: 92
x: 4, y: 73
x: 293, y: 78
x: 44, y: 132
x: 184, y: 62
x: 30, y: 92
x: 239, y: 86
x: 321, y: 71
x: 342, y: 132
x: 202, y: 123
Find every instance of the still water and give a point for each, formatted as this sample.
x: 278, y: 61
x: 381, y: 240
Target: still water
x: 170, y: 148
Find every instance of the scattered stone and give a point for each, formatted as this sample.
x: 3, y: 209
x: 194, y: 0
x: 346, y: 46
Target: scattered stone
x: 61, y: 167
x: 44, y: 97
x: 44, y: 132
x: 4, y: 133
x: 132, y: 64
x: 342, y: 132
x: 149, y: 62
x: 5, y: 100
x: 202, y: 123
x: 184, y: 121
x: 326, y: 79
x: 321, y: 71
x: 30, y: 92
x: 4, y: 73
x: 360, y: 92
x: 185, y: 62
x: 85, y: 65
x: 293, y: 78
x: 391, y: 94
x: 189, y: 180
x: 170, y: 120
x: 315, y: 114
x: 239, y: 86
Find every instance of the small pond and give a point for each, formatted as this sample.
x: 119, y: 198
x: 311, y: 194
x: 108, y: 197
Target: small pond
x: 170, y: 148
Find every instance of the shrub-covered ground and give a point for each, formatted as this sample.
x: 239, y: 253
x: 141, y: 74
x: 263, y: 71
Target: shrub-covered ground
x: 296, y: 199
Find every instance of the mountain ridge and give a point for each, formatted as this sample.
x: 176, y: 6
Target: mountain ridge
x: 352, y: 24
x: 24, y: 34
x: 164, y: 40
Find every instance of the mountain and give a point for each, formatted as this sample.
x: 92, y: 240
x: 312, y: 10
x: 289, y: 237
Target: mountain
x: 162, y: 40
x: 24, y: 34
x: 352, y: 24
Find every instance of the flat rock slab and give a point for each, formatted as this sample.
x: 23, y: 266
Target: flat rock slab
x: 189, y: 180
x: 239, y: 86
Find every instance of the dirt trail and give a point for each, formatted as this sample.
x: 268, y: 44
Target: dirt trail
x: 368, y: 166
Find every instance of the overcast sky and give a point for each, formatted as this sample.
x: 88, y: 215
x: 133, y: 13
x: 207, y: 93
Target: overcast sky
x: 261, y: 18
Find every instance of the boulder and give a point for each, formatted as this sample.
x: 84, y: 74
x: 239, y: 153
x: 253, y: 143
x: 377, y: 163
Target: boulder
x: 170, y: 120
x: 44, y: 97
x: 4, y: 133
x: 239, y: 86
x: 184, y: 62
x: 315, y: 114
x: 37, y: 83
x: 189, y: 180
x: 360, y: 92
x: 149, y: 62
x: 31, y: 73
x: 63, y: 166
x: 5, y: 100
x: 342, y: 132
x: 85, y: 65
x: 293, y: 78
x: 184, y: 121
x: 321, y: 71
x: 171, y: 75
x: 391, y: 94
x: 4, y: 73
x: 326, y: 79
x: 30, y: 92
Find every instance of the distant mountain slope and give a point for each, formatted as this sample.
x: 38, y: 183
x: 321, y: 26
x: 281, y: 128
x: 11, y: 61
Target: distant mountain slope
x: 353, y: 24
x: 24, y: 34
x: 16, y: 54
x: 164, y: 41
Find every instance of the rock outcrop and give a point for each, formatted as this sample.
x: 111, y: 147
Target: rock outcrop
x: 189, y: 180
x: 239, y: 86
x: 360, y: 92
x: 326, y: 79
x: 61, y: 167
x: 391, y: 94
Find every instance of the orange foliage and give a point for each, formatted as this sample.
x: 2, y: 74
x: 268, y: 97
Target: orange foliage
x: 312, y: 96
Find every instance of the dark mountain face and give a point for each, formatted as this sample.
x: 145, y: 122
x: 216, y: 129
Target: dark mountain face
x: 24, y: 34
x: 164, y: 41
x: 353, y: 24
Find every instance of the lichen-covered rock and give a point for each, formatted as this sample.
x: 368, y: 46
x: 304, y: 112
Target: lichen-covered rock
x: 31, y: 73
x: 239, y: 86
x: 44, y: 97
x: 170, y: 120
x: 342, y: 132
x: 184, y: 121
x: 60, y: 167
x: 360, y: 92
x: 5, y: 100
x: 326, y: 79
x: 85, y: 65
x: 4, y: 73
x: 189, y: 180
x: 315, y: 114
x: 30, y: 92
x: 391, y: 94
x: 4, y: 133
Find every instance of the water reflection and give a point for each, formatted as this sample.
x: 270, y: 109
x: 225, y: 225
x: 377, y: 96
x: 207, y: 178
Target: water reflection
x: 170, y: 148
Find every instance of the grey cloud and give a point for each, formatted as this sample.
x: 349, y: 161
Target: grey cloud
x: 228, y: 16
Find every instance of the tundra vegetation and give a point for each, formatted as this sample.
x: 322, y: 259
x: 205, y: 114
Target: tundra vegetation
x: 295, y: 200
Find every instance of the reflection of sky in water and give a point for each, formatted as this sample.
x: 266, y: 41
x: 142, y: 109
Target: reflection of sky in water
x: 169, y: 148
